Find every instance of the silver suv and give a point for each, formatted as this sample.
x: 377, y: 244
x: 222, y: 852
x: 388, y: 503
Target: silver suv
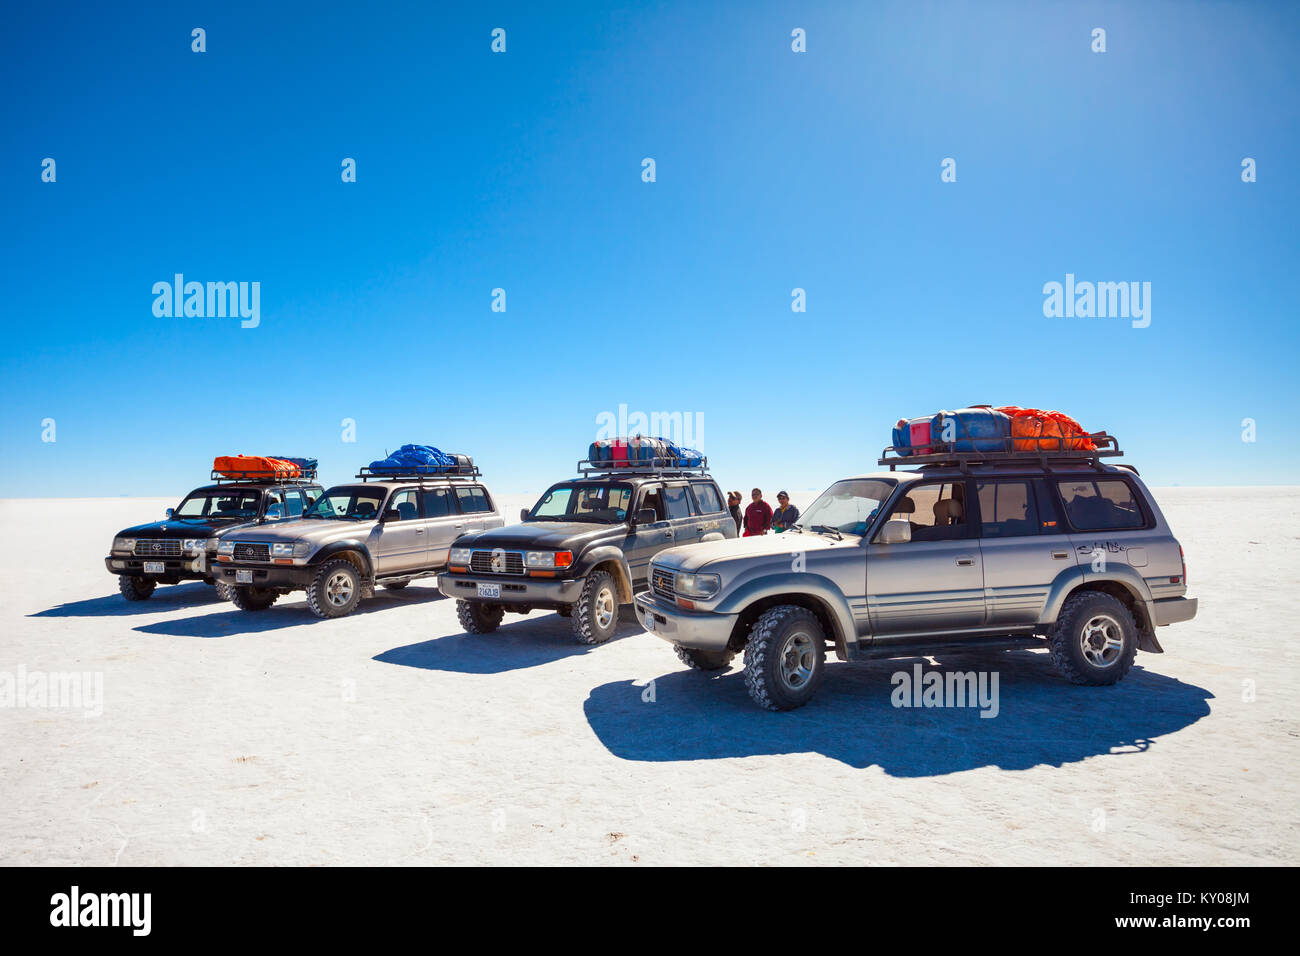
x: 383, y: 530
x: 1014, y: 551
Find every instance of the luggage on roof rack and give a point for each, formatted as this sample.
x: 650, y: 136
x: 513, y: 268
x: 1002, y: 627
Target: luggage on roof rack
x: 420, y: 461
x: 262, y: 468
x: 1060, y: 450
x: 641, y: 452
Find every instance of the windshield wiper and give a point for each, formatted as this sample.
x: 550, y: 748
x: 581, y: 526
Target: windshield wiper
x: 827, y: 529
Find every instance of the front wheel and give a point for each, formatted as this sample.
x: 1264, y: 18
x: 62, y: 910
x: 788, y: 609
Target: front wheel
x: 249, y: 598
x: 224, y: 591
x: 595, y: 613
x: 336, y: 589
x: 135, y: 588
x: 477, y: 617
x: 1094, y: 640
x: 785, y: 657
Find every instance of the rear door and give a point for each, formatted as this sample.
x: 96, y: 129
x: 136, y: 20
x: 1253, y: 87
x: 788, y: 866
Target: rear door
x: 647, y: 540
x: 712, y: 518
x: 1109, y: 524
x: 475, y: 507
x: 935, y: 582
x: 443, y: 524
x: 1022, y: 550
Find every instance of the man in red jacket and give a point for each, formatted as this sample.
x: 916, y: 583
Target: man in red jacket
x: 758, y: 516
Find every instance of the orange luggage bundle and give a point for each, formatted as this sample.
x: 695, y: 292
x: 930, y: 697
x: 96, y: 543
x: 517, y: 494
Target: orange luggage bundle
x: 1036, y: 430
x: 254, y: 466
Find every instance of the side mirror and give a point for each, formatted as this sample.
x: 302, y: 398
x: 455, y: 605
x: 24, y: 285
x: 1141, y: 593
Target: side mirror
x: 392, y: 514
x: 523, y: 514
x: 169, y: 512
x: 275, y: 512
x: 895, y: 531
x: 646, y: 516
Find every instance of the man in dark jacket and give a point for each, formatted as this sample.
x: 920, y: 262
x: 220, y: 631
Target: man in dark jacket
x: 785, y: 515
x: 733, y: 505
x: 758, y: 516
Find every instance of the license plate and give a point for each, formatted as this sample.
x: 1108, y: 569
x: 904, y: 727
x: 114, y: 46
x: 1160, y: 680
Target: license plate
x: 489, y: 590
x: 649, y: 621
x: 243, y: 577
x: 155, y: 567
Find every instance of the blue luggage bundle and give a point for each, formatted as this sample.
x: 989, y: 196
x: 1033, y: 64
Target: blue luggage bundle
x: 976, y: 428
x: 627, y: 452
x: 416, y: 460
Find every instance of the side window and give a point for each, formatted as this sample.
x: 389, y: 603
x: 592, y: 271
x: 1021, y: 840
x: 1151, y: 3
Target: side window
x: 309, y: 496
x: 652, y: 496
x: 1007, y: 509
x: 294, y: 500
x: 436, y: 502
x: 676, y: 503
x: 472, y: 500
x: 274, y: 500
x: 1100, y: 505
x: 1049, y: 517
x: 937, y: 511
x: 707, y: 500
x: 403, y: 502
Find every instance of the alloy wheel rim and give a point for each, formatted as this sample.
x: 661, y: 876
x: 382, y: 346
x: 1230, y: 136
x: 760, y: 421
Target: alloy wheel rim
x: 797, y: 660
x: 338, y: 590
x: 1101, y: 640
x: 604, y: 608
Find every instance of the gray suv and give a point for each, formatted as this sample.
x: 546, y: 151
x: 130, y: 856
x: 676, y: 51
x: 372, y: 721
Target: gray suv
x: 1012, y: 551
x: 385, y: 529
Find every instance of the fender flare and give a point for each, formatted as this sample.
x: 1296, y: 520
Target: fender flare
x: 1072, y: 579
x: 604, y: 554
x: 335, y: 547
x: 804, y: 584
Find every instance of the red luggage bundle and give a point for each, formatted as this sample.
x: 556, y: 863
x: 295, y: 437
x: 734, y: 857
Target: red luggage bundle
x: 1035, y: 430
x: 254, y: 466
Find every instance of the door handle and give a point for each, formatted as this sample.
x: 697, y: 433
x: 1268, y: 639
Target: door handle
x: 668, y: 534
x: 458, y: 527
x: 965, y: 562
x: 419, y: 531
x: 1060, y: 555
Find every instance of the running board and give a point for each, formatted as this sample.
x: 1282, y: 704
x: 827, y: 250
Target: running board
x: 922, y: 648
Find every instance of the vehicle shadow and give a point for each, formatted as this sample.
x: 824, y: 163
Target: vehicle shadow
x: 165, y: 597
x: 519, y: 643
x: 289, y: 611
x: 1041, y: 719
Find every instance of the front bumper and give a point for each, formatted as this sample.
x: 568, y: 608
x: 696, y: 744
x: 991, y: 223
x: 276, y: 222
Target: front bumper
x: 294, y: 577
x: 1174, y: 610
x: 174, y: 569
x: 515, y: 588
x: 699, y: 630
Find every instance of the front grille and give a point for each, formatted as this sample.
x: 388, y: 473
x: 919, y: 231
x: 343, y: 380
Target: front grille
x: 158, y: 547
x: 664, y: 583
x: 252, y: 552
x: 509, y: 562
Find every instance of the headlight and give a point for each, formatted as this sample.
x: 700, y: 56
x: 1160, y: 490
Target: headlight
x: 194, y: 545
x: 227, y: 546
x: 460, y: 555
x: 284, y: 550
x: 211, y: 543
x: 697, y: 585
x: 124, y: 544
x: 548, y: 559
x: 301, y: 549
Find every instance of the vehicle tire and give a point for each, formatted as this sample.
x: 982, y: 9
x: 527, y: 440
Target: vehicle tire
x: 224, y: 591
x: 477, y: 617
x: 134, y: 588
x: 785, y: 657
x: 565, y: 610
x: 336, y: 589
x: 246, y: 597
x: 396, y: 585
x: 704, y: 660
x: 595, y: 613
x: 1094, y: 640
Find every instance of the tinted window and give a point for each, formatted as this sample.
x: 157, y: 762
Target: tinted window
x: 707, y: 499
x: 1101, y: 505
x: 294, y: 500
x: 676, y: 502
x: 436, y: 502
x: 652, y: 497
x: 1007, y: 509
x: 403, y: 502
x: 473, y: 499
x: 220, y: 504
x: 1049, y: 517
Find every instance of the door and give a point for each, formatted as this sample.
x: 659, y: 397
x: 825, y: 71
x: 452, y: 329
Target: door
x: 935, y: 582
x: 712, y: 519
x: 1022, y: 551
x: 1109, y: 526
x: 402, y: 540
x: 474, y: 506
x: 442, y: 522
x: 647, y: 540
x: 678, y: 508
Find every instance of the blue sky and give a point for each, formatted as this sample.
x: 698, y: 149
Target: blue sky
x: 522, y: 171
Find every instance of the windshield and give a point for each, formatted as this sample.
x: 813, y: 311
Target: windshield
x: 351, y: 503
x: 848, y: 507
x: 602, y: 503
x: 218, y: 504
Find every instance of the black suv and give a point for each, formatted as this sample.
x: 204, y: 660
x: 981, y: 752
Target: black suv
x: 184, y: 546
x: 585, y: 547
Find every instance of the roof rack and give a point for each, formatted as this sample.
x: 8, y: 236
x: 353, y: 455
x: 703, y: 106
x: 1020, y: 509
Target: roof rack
x: 455, y: 471
x: 1106, y: 446
x: 662, y: 467
x: 262, y: 477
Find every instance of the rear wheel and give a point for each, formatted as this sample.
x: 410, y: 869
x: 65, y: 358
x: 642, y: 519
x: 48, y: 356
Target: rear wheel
x: 246, y: 597
x: 336, y: 589
x: 479, y: 618
x: 223, y: 591
x: 135, y: 588
x: 595, y: 613
x: 785, y: 657
x: 704, y: 660
x: 1094, y: 640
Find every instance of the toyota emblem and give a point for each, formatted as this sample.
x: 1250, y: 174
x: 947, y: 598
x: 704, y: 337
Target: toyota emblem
x: 498, y: 562
x: 157, y: 545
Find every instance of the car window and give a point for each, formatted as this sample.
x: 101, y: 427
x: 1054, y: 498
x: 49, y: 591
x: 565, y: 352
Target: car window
x: 472, y: 499
x: 1049, y: 517
x: 293, y: 499
x: 274, y: 500
x: 1100, y: 505
x: 404, y: 503
x: 676, y: 504
x: 1007, y: 509
x: 360, y: 503
x: 219, y: 504
x: 707, y: 499
x: 652, y: 497
x: 437, y: 502
x: 936, y: 511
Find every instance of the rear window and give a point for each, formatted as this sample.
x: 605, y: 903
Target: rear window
x: 473, y: 500
x: 707, y: 498
x: 1105, y: 504
x: 1007, y: 509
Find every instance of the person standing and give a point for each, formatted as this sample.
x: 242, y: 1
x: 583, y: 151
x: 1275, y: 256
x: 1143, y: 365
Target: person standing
x: 733, y: 505
x: 785, y: 515
x: 758, y: 516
